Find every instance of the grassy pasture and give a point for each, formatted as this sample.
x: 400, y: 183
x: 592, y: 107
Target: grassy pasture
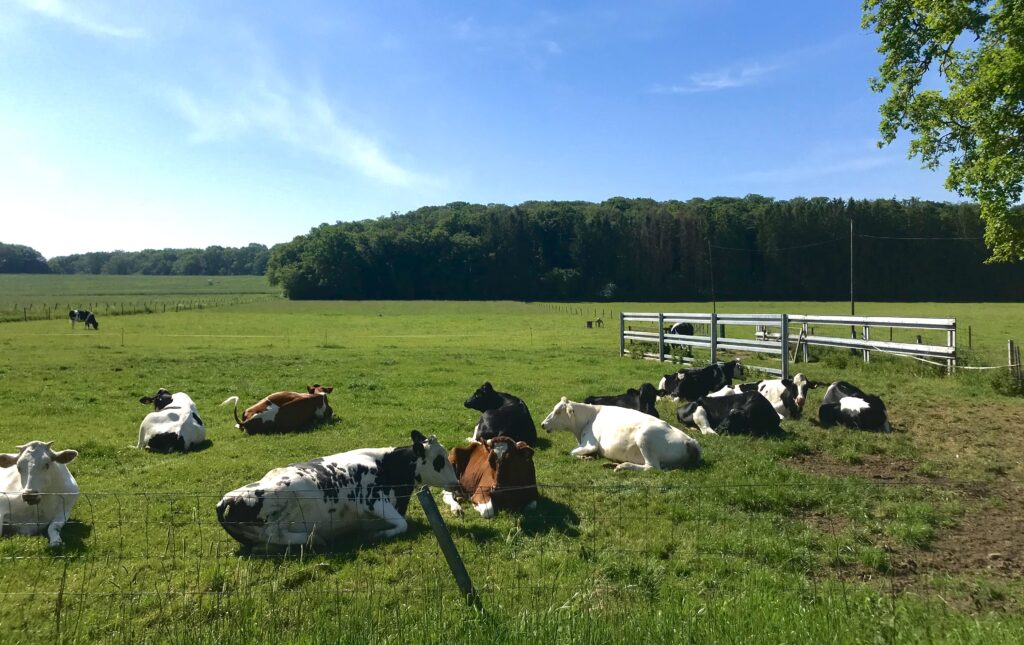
x: 818, y: 536
x: 38, y: 297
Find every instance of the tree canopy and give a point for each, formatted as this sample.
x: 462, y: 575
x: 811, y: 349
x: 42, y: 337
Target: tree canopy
x: 15, y: 258
x: 645, y: 250
x: 213, y: 260
x: 973, y: 49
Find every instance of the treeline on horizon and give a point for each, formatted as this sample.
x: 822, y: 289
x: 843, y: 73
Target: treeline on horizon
x: 756, y: 248
x: 213, y: 260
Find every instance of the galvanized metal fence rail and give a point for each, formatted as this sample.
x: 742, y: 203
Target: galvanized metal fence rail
x: 773, y: 334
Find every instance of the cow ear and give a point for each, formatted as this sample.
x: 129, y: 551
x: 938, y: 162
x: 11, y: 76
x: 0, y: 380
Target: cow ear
x: 417, y: 444
x: 65, y: 456
x: 311, y: 389
x: 146, y: 399
x: 7, y: 459
x: 524, y: 449
x: 564, y: 400
x: 327, y: 389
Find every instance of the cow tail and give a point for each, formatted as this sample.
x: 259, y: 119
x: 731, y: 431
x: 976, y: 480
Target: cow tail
x: 238, y: 422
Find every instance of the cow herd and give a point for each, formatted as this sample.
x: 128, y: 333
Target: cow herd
x: 367, y: 490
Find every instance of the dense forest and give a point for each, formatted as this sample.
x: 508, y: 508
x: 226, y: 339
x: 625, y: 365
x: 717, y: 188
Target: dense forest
x: 641, y: 249
x: 213, y: 260
x: 15, y: 258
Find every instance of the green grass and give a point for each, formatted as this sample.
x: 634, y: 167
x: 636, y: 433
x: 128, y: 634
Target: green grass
x: 747, y: 548
x: 50, y: 297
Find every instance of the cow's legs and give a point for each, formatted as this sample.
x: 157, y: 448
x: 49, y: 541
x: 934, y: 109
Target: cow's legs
x: 388, y: 513
x: 53, y: 531
x: 585, y: 452
x: 700, y: 417
x: 453, y: 504
x: 476, y: 433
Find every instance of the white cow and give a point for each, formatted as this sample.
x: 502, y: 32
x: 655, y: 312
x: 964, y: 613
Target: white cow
x: 173, y: 426
x: 37, y: 491
x: 636, y: 440
x: 314, y: 502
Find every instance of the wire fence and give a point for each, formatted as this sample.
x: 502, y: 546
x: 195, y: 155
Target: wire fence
x: 135, y: 560
x: 55, y: 310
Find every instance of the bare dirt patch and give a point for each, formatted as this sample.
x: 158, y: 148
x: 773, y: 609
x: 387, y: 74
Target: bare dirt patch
x: 985, y: 542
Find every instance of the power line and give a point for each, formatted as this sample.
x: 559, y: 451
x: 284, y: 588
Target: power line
x: 889, y: 237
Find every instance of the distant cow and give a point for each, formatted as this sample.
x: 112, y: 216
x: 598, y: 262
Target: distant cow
x: 691, y: 384
x: 37, y: 491
x: 496, y: 475
x: 173, y: 426
x: 284, y: 411
x: 642, y: 399
x: 315, y: 502
x: 503, y: 414
x: 681, y: 328
x: 744, y: 413
x: 847, y: 405
x: 636, y: 440
x: 83, y: 316
x: 786, y: 395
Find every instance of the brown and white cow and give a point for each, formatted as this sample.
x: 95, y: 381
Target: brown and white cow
x: 494, y: 476
x: 284, y: 411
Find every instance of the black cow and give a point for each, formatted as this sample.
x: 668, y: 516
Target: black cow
x: 503, y: 414
x: 847, y: 405
x: 642, y: 399
x: 691, y: 384
x: 83, y: 316
x: 745, y: 413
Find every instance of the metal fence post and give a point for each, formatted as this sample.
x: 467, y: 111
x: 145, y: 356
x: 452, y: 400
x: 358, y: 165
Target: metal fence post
x: 661, y: 336
x: 714, y: 338
x: 803, y: 330
x: 951, y: 341
x: 622, y: 333
x: 784, y: 338
x: 866, y: 334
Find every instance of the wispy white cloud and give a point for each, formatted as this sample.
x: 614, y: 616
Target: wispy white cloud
x: 530, y: 37
x: 301, y: 118
x: 74, y: 15
x: 723, y: 79
x: 809, y: 170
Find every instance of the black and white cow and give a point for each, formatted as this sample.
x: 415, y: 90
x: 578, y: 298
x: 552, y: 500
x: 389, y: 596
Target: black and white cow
x: 744, y: 413
x: 642, y: 399
x: 173, y: 425
x: 691, y: 384
x: 681, y: 328
x: 83, y: 316
x: 786, y: 395
x: 503, y: 414
x: 363, y: 491
x: 847, y: 405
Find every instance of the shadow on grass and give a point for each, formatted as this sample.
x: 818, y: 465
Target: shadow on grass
x: 74, y: 534
x: 201, y: 446
x: 551, y: 516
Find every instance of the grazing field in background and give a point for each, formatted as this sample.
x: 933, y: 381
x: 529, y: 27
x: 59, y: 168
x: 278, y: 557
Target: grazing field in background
x: 50, y: 297
x: 821, y: 535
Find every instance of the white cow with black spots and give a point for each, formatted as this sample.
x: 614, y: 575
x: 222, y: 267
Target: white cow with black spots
x: 37, y: 491
x: 315, y: 502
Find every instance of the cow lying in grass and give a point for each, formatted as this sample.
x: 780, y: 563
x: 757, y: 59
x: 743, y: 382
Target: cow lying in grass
x: 173, y: 426
x: 284, y: 411
x: 636, y: 440
x: 315, y: 502
x: 503, y: 414
x: 847, y: 405
x: 743, y: 413
x: 37, y: 491
x: 691, y: 384
x: 642, y: 399
x: 496, y: 475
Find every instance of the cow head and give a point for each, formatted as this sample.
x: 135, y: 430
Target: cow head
x: 160, y: 400
x: 515, y: 479
x: 734, y: 369
x: 802, y: 385
x: 485, y: 398
x: 316, y: 388
x: 562, y: 417
x: 432, y: 465
x: 35, y: 462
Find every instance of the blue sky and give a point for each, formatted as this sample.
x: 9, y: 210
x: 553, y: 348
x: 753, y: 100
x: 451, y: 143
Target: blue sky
x: 129, y: 125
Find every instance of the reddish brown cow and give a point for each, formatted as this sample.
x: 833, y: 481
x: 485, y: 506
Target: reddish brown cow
x: 495, y: 475
x: 284, y: 411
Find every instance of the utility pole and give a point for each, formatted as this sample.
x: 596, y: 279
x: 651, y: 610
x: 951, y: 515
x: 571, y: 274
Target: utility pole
x: 853, y: 329
x: 711, y: 263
